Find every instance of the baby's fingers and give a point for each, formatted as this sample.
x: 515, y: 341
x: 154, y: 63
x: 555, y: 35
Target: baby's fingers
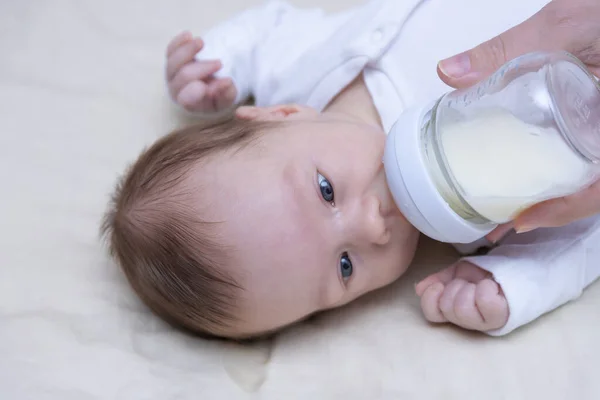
x: 430, y: 300
x: 454, y: 302
x: 193, y: 71
x: 477, y: 306
x: 181, y: 56
x: 444, y: 276
x: 462, y: 270
x: 193, y: 97
x: 223, y: 92
x: 462, y: 310
x: 177, y: 41
x: 492, y: 304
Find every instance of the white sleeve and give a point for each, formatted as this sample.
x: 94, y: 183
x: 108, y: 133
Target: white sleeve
x: 544, y: 269
x: 266, y: 36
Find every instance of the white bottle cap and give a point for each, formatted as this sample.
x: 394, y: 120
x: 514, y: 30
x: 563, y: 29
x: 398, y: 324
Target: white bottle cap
x: 413, y: 189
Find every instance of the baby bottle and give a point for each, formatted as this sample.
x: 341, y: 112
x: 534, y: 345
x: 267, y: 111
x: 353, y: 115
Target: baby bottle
x: 475, y: 158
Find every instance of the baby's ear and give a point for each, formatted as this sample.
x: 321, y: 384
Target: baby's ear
x: 275, y: 113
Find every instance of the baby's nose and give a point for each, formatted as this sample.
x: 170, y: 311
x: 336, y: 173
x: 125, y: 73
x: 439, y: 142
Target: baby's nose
x: 373, y: 223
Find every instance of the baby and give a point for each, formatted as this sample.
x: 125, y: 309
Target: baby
x: 241, y: 225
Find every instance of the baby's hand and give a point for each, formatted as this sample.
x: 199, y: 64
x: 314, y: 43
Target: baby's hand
x: 464, y: 295
x: 191, y: 82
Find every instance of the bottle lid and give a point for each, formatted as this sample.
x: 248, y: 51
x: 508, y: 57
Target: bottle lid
x: 413, y: 189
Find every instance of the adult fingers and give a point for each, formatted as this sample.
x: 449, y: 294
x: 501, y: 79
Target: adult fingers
x: 469, y: 67
x: 561, y: 211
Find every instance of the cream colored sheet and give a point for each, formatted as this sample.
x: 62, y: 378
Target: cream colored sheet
x: 81, y: 92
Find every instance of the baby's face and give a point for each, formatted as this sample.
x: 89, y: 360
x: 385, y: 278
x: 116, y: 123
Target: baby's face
x: 310, y: 218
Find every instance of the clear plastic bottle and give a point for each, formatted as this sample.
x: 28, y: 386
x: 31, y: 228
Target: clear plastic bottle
x: 475, y: 158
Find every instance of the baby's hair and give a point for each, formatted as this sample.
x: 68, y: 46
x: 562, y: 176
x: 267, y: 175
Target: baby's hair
x: 169, y: 253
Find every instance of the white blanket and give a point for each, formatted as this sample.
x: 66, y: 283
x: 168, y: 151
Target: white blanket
x: 81, y: 92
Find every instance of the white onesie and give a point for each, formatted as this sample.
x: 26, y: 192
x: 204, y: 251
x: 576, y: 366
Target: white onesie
x: 282, y: 54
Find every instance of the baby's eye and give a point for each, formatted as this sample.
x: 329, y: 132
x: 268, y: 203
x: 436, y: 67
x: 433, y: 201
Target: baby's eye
x: 326, y: 189
x: 346, y: 266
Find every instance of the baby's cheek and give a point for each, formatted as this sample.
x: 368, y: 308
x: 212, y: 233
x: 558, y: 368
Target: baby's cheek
x: 391, y: 267
x: 390, y: 262
x: 405, y: 248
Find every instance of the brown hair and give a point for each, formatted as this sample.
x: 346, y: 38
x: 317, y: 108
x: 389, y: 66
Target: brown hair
x: 171, y: 256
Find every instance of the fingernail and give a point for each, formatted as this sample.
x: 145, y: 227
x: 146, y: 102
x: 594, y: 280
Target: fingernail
x: 456, y: 67
x: 524, y: 229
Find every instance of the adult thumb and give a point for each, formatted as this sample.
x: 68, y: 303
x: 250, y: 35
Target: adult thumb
x: 468, y: 68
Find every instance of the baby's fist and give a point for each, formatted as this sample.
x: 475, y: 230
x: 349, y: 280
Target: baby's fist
x: 191, y: 82
x: 464, y: 295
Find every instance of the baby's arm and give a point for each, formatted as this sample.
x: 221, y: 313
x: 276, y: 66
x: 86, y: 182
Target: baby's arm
x: 220, y: 70
x: 535, y: 273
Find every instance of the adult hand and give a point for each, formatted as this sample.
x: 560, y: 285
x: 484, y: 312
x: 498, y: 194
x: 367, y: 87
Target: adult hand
x: 569, y: 25
x: 553, y: 213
